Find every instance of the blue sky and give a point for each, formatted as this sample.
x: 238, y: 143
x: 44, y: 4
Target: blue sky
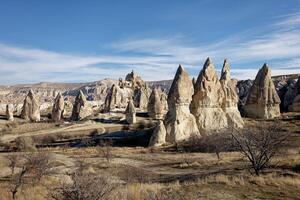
x: 82, y: 41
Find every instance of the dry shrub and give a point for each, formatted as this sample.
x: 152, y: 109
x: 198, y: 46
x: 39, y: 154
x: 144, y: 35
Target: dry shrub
x: 25, y: 144
x: 86, y: 187
x: 216, y: 143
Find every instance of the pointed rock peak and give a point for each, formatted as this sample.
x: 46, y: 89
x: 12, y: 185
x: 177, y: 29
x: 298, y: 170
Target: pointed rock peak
x: 207, y: 63
x: 225, y: 74
x: 130, y: 107
x: 264, y: 72
x: 31, y: 93
x: 81, y: 95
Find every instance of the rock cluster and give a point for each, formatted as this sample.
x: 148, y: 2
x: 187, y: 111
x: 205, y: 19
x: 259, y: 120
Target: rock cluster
x: 130, y: 113
x: 31, y: 108
x: 263, y: 100
x: 157, y: 106
x: 58, y: 108
x: 81, y: 108
x: 9, y: 112
x: 208, y: 100
x: 180, y: 124
x: 230, y: 99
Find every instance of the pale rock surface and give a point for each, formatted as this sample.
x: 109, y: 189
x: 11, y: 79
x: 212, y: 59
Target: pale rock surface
x: 31, y: 108
x: 9, y: 112
x: 117, y: 97
x: 179, y: 122
x: 263, y: 100
x: 81, y: 108
x: 158, y: 137
x: 230, y: 100
x: 207, y: 101
x: 58, y: 108
x: 130, y: 113
x: 156, y: 105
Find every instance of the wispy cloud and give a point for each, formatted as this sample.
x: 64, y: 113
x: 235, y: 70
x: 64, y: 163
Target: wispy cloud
x: 157, y: 58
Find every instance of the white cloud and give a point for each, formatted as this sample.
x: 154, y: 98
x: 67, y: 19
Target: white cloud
x: 158, y: 58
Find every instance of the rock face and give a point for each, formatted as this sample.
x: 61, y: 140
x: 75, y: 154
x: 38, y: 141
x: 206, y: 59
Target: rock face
x: 130, y: 113
x: 296, y: 102
x: 230, y: 100
x: 31, y: 108
x: 58, y: 108
x: 141, y: 98
x: 81, y: 108
x: 158, y: 137
x: 263, y: 101
x: 9, y: 112
x: 179, y: 122
x: 157, y: 104
x: 111, y: 99
x: 208, y: 99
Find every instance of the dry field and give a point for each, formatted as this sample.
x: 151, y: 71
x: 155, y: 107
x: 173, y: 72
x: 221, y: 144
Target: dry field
x: 152, y: 173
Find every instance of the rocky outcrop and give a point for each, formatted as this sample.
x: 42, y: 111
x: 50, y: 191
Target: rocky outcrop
x: 130, y: 113
x: 58, y: 108
x: 157, y: 104
x: 262, y: 101
x: 141, y: 98
x: 31, y: 108
x: 208, y: 99
x: 81, y: 109
x: 158, y: 137
x: 179, y: 122
x: 10, y: 112
x: 296, y: 101
x: 230, y: 99
x: 111, y: 99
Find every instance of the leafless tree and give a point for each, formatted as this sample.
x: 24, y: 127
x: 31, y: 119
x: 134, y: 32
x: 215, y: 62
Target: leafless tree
x: 12, y: 162
x: 260, y: 144
x: 85, y: 187
x: 33, y: 168
x: 105, y: 150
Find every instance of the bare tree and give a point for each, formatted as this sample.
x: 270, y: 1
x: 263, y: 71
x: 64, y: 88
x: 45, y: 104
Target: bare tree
x: 260, y: 144
x: 85, y: 187
x: 12, y: 162
x: 34, y: 167
x: 105, y: 150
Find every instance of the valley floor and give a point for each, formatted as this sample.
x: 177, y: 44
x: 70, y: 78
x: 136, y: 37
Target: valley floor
x: 159, y: 173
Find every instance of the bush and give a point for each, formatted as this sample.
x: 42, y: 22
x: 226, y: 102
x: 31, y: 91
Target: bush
x: 25, y: 144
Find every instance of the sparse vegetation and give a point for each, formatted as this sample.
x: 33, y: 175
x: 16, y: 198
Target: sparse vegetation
x: 260, y: 144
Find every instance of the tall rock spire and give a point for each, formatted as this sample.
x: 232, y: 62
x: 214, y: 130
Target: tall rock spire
x: 180, y: 123
x: 263, y: 100
x: 58, y: 108
x: 207, y: 100
x: 230, y: 99
x: 81, y: 108
x: 31, y: 107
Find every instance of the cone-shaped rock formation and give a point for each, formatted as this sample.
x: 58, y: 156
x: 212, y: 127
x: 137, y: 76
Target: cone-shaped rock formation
x: 263, y: 101
x: 130, y: 113
x: 58, y: 108
x: 230, y: 99
x: 158, y: 137
x: 179, y: 122
x: 207, y: 101
x: 9, y: 112
x: 31, y: 108
x: 81, y: 109
x: 156, y: 105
